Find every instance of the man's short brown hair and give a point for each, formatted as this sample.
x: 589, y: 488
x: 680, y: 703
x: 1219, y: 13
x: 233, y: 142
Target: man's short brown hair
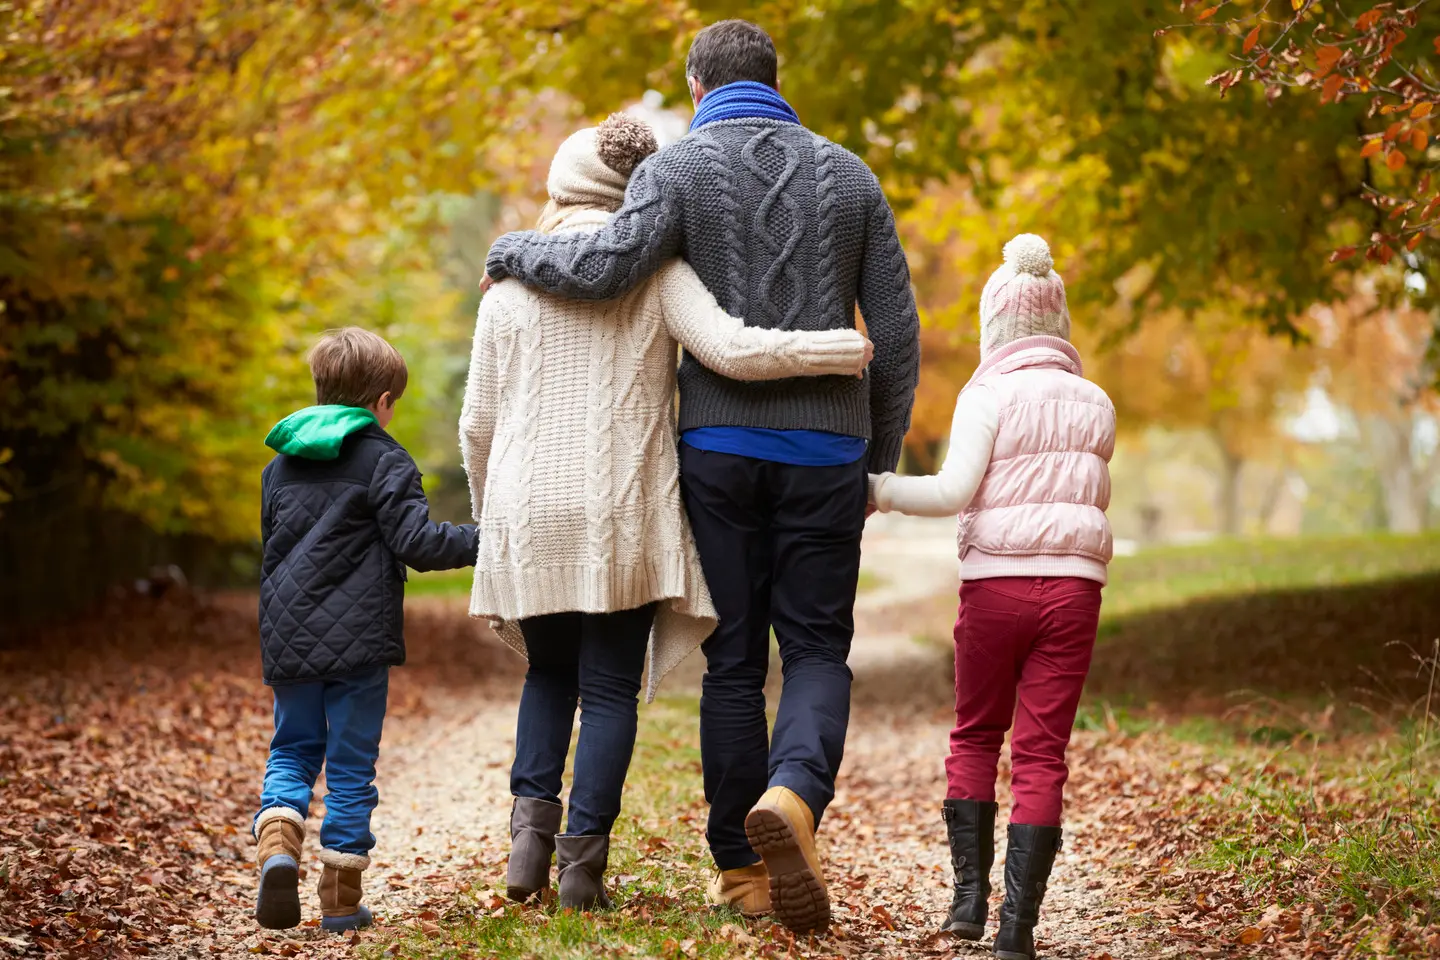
x: 730, y: 51
x: 353, y: 367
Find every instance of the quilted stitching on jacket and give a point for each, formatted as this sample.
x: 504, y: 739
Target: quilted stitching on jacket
x: 332, y: 590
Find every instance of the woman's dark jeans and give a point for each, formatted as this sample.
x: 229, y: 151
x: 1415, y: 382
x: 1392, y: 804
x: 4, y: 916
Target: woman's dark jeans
x: 597, y: 659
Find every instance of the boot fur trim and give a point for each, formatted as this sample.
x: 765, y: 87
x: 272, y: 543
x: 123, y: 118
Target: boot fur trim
x: 277, y: 813
x: 344, y: 861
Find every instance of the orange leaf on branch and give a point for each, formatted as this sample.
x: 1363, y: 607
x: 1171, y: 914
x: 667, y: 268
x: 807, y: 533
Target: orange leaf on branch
x: 1206, y: 14
x: 1392, y: 40
x: 1421, y: 111
x: 1331, y: 90
x: 1393, y: 131
x: 1327, y: 58
x: 1414, y: 241
x: 1372, y: 147
x: 1418, y: 139
x: 1368, y: 19
x: 1251, y: 38
x: 1394, y: 160
x: 1344, y: 253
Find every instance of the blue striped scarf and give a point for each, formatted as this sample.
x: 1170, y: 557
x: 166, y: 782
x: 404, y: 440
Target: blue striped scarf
x: 740, y: 100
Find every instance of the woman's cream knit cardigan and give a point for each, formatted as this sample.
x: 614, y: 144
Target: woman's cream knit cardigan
x: 568, y: 434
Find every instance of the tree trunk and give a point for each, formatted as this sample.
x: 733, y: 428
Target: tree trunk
x: 1274, y: 492
x: 1402, y: 481
x: 1227, y: 505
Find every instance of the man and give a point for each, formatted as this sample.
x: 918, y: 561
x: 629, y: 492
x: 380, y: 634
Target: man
x: 789, y: 231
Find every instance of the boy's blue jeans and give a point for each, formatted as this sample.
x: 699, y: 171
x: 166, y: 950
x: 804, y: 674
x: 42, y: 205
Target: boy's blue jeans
x: 334, y: 723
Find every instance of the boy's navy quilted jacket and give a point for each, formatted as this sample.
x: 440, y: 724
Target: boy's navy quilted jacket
x: 342, y: 515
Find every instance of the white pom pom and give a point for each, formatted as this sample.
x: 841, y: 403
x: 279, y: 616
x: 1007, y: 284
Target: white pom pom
x: 1028, y: 253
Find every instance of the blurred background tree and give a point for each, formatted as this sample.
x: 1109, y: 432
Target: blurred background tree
x: 191, y: 190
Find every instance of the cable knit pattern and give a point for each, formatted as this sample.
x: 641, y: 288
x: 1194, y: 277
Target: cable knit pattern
x: 568, y: 436
x: 733, y: 244
x: 789, y: 231
x: 826, y: 207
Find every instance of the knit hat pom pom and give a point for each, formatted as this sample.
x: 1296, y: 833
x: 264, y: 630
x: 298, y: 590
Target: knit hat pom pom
x: 623, y: 142
x: 1030, y: 254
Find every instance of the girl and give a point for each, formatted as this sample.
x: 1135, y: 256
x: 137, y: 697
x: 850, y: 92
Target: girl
x: 568, y: 433
x: 1027, y: 472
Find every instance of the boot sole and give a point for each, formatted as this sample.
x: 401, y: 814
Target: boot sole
x: 798, y: 898
x: 964, y: 931
x: 1012, y: 955
x: 277, y: 907
x: 360, y: 918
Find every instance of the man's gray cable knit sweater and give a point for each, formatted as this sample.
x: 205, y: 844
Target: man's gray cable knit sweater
x: 789, y: 231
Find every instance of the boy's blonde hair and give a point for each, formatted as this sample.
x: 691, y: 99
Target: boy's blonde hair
x: 353, y: 367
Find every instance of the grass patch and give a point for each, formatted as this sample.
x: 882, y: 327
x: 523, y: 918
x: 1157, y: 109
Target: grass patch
x: 1253, y: 634
x: 440, y: 583
x: 657, y: 875
x: 869, y: 580
x: 1342, y: 839
x: 1168, y: 576
x: 1280, y: 655
x: 1282, y: 830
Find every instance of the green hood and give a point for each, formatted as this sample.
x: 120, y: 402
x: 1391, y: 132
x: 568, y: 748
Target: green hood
x: 316, y: 433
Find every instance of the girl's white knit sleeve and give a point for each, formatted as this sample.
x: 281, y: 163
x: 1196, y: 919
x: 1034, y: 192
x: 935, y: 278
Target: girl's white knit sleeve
x: 479, y: 412
x: 730, y: 348
x: 972, y: 440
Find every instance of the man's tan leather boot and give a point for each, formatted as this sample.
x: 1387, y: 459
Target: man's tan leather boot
x: 781, y: 828
x: 747, y: 889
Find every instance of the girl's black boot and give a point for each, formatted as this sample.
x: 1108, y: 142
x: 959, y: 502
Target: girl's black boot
x: 1029, y: 858
x: 970, y: 825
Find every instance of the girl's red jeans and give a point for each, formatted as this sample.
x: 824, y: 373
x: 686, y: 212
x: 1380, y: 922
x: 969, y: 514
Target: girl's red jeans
x: 1025, y: 641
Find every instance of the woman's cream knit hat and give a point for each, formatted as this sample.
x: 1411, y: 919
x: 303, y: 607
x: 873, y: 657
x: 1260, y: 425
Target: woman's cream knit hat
x: 1024, y: 298
x: 593, y: 166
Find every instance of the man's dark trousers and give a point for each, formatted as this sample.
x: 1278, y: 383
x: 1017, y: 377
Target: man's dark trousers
x: 780, y: 545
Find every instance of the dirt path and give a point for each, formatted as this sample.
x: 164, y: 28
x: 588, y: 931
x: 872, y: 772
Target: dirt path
x: 441, y: 825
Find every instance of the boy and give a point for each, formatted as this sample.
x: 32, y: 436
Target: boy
x: 342, y: 514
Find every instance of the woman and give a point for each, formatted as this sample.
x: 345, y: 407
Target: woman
x: 568, y: 434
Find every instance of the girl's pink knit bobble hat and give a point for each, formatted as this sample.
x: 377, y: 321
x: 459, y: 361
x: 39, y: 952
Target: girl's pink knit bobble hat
x: 1024, y: 298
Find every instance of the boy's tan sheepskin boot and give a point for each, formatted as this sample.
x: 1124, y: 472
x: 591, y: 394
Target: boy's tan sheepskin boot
x: 340, y: 891
x: 279, y: 834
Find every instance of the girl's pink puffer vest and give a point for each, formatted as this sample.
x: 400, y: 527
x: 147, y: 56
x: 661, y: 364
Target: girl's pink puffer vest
x: 1040, y: 510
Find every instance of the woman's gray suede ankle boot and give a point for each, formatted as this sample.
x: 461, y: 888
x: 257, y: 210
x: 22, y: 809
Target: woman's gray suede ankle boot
x: 580, y: 863
x: 533, y: 825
